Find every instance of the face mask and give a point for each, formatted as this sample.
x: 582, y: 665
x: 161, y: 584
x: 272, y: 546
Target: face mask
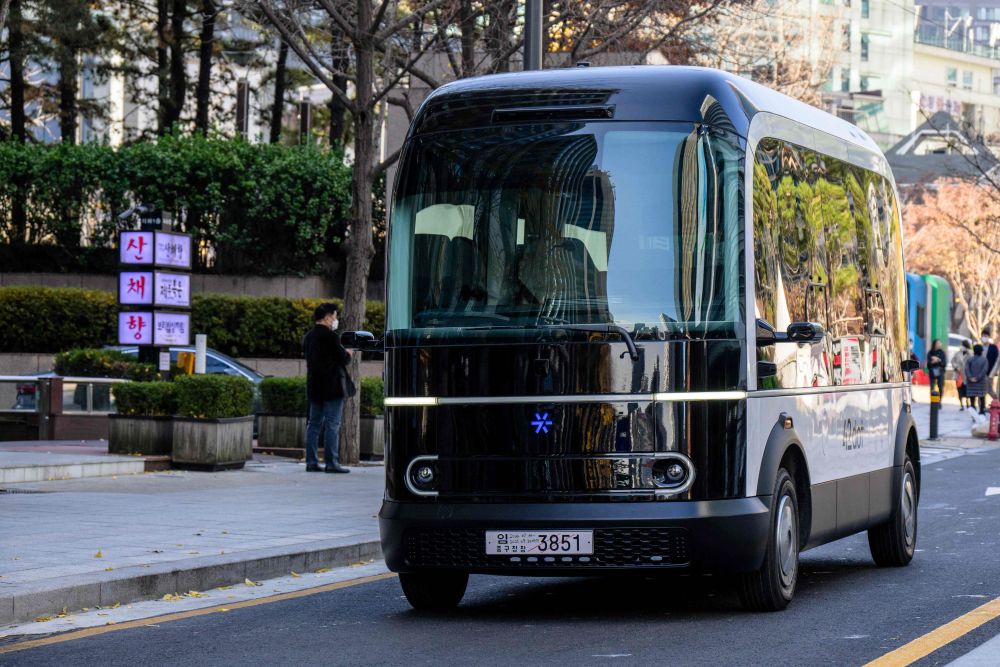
x: 334, y: 325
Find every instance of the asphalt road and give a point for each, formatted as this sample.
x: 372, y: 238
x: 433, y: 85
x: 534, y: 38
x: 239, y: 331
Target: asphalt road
x: 846, y: 612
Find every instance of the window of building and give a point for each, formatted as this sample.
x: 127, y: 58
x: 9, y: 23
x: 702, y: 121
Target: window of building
x: 845, y: 79
x: 863, y: 83
x: 967, y: 80
x: 864, y: 9
x: 846, y: 36
x: 952, y: 76
x: 864, y: 47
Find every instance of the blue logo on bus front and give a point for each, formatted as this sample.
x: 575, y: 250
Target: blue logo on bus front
x: 541, y: 422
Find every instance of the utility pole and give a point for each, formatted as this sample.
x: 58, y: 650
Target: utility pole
x: 532, y: 34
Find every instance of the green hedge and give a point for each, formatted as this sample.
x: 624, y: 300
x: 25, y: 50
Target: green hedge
x: 284, y: 395
x: 264, y: 208
x: 214, y: 396
x: 102, y: 363
x: 45, y: 319
x: 288, y: 395
x: 372, y: 396
x: 146, y: 399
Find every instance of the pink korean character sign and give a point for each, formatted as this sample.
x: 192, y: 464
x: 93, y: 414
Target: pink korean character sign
x: 135, y: 328
x: 136, y: 248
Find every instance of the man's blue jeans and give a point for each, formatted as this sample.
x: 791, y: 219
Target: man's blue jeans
x: 324, y: 416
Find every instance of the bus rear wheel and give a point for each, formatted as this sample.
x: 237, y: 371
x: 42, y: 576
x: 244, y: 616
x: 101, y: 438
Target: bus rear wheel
x: 893, y: 542
x: 772, y: 587
x: 434, y: 591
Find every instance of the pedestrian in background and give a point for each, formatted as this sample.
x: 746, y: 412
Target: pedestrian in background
x: 936, y: 362
x: 976, y: 381
x: 958, y: 363
x: 326, y: 365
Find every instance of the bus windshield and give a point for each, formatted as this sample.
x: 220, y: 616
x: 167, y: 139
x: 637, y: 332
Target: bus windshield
x: 520, y: 226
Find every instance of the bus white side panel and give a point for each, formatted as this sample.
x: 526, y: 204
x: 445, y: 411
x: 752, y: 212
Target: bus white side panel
x: 843, y: 433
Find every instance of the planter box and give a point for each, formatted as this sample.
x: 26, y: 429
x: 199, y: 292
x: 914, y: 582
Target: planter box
x: 212, y: 444
x: 150, y: 436
x: 281, y: 430
x: 372, y: 443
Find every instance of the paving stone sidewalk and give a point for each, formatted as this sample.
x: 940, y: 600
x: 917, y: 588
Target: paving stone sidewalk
x: 82, y: 542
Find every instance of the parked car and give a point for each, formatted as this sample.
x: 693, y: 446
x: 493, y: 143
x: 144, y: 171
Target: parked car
x: 215, y: 362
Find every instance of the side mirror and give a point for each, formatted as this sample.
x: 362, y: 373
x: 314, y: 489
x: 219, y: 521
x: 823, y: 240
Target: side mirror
x: 805, y: 332
x: 359, y: 340
x: 909, y: 365
x: 766, y: 335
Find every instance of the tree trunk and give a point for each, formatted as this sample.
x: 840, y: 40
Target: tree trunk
x: 16, y: 36
x: 209, y: 12
x: 339, y: 62
x: 278, y: 106
x: 18, y: 129
x: 361, y: 248
x: 67, y: 85
x: 467, y: 23
x: 178, y: 75
x: 162, y: 68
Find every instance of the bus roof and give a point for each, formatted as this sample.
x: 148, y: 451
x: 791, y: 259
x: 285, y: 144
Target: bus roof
x: 638, y: 93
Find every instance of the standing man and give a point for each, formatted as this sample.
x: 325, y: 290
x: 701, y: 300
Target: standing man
x: 326, y: 360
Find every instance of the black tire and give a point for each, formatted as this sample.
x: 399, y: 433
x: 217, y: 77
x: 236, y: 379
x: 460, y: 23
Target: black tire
x: 892, y: 543
x: 434, y: 591
x: 772, y: 587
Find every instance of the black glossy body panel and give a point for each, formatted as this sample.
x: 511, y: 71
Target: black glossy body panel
x: 492, y: 451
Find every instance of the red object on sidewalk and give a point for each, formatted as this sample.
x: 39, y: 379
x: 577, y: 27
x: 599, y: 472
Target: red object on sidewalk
x: 919, y: 377
x: 994, y: 420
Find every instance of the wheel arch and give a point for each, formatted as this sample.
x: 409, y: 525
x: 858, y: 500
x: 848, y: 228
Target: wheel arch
x: 784, y: 450
x: 906, y: 443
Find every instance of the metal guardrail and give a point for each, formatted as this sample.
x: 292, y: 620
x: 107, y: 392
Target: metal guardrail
x: 72, y: 395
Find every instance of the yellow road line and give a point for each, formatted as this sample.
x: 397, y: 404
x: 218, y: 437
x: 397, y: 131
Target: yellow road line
x: 166, y: 618
x: 935, y: 639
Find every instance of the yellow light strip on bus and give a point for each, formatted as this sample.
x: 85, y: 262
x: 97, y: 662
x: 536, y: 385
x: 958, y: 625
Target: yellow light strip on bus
x: 411, y: 400
x: 686, y: 396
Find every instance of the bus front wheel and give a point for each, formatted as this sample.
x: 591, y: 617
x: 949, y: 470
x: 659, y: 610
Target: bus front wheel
x: 434, y: 591
x: 771, y: 587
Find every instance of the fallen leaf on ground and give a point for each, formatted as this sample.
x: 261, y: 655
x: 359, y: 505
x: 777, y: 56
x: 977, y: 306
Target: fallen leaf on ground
x: 42, y: 619
x: 116, y: 605
x: 108, y: 569
x: 295, y: 574
x: 224, y: 588
x: 223, y: 609
x: 322, y: 570
x: 195, y: 594
x: 171, y: 597
x: 99, y: 554
x: 252, y: 583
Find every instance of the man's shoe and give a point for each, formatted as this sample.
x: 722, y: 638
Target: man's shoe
x: 336, y: 467
x: 313, y: 468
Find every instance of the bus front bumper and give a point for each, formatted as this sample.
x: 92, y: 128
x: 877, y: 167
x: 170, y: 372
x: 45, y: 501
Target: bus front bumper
x: 716, y: 536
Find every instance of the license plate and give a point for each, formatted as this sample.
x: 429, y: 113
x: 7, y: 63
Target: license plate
x: 539, y: 542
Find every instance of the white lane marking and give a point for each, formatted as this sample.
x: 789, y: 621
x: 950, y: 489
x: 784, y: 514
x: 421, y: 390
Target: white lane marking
x: 993, y: 491
x: 984, y: 655
x: 611, y: 655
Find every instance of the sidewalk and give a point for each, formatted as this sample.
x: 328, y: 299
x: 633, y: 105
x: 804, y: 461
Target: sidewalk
x: 101, y: 541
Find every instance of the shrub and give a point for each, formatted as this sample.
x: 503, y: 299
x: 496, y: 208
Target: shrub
x: 44, y: 319
x: 372, y: 397
x: 284, y: 395
x: 102, y: 363
x: 146, y: 399
x: 214, y: 396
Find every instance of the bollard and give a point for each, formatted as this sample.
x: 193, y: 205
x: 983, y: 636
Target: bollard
x: 935, y: 408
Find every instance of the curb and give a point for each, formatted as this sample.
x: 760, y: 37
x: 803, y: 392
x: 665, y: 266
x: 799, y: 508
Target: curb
x: 130, y: 584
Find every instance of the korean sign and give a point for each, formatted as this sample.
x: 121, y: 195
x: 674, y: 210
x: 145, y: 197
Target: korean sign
x: 172, y: 329
x: 135, y: 328
x: 135, y: 248
x: 135, y: 288
x: 173, y: 250
x: 172, y: 289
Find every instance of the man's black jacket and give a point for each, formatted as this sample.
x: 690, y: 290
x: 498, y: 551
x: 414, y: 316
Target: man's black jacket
x: 324, y: 356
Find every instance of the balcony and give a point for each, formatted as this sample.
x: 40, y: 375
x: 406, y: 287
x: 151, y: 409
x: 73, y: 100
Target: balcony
x: 957, y: 43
